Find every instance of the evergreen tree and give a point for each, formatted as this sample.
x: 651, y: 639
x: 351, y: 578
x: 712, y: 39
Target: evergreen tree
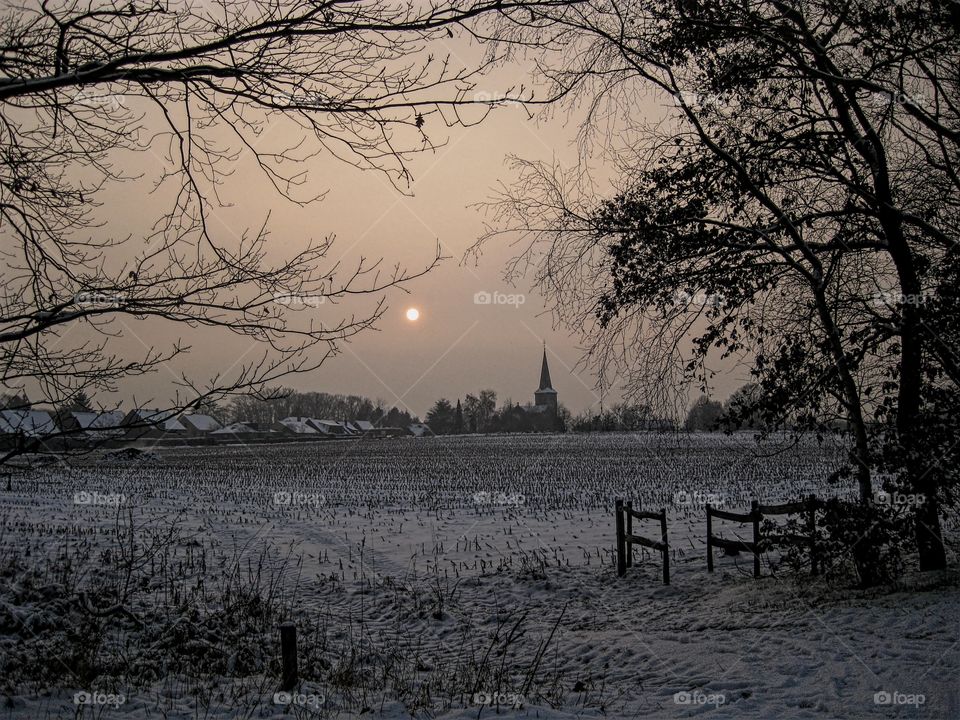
x: 440, y: 418
x: 80, y: 403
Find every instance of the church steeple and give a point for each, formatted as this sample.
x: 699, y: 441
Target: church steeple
x: 545, y: 383
x: 546, y: 397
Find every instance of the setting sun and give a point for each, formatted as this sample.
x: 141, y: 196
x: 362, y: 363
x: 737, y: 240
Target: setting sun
x: 413, y: 314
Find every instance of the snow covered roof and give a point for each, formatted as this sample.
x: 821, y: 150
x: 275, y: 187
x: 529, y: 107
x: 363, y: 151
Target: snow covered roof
x: 363, y: 425
x: 28, y: 422
x: 109, y: 419
x: 299, y: 425
x: 233, y: 429
x: 201, y: 422
x: 84, y: 419
x: 162, y: 419
x: 331, y: 427
x: 537, y: 408
x: 420, y: 429
x: 94, y: 421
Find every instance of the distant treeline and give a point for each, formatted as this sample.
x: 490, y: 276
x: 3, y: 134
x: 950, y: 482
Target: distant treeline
x: 705, y: 415
x: 738, y: 412
x: 623, y: 417
x: 479, y: 414
x: 745, y: 410
x: 474, y: 414
x: 278, y: 404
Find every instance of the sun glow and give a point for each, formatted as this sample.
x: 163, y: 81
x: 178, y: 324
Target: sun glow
x: 413, y: 314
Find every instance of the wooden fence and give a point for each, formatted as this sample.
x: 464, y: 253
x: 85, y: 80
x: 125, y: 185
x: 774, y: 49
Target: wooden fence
x: 757, y: 513
x: 735, y: 545
x: 626, y: 539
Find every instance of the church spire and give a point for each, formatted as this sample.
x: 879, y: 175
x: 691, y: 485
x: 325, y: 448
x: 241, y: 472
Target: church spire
x: 545, y: 373
x: 545, y: 398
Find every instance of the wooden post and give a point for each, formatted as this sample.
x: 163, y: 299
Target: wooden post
x: 812, y: 523
x: 666, y: 547
x: 621, y: 544
x: 755, y: 512
x: 288, y: 655
x: 621, y: 550
x: 629, y: 543
x: 709, y: 544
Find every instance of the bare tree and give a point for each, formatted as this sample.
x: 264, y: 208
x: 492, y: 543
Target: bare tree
x: 91, y: 91
x: 796, y: 210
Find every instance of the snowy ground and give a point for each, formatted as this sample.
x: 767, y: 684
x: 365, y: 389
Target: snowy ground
x: 426, y: 576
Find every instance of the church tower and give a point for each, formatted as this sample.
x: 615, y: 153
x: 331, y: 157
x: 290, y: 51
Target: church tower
x: 545, y: 395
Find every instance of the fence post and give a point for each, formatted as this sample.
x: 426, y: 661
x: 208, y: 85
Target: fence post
x: 288, y: 655
x: 628, y: 541
x: 666, y: 547
x: 812, y: 521
x: 755, y: 512
x: 621, y: 551
x: 709, y: 543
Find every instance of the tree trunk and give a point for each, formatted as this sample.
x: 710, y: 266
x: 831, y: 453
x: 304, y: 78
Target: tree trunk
x: 866, y: 140
x: 927, y: 516
x: 933, y: 556
x: 860, y: 453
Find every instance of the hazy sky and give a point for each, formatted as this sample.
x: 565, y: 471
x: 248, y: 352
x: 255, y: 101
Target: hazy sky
x: 457, y: 345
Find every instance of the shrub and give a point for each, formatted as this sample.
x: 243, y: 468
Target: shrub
x: 868, y: 536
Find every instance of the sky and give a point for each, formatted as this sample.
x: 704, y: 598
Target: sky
x: 474, y: 331
x: 459, y: 344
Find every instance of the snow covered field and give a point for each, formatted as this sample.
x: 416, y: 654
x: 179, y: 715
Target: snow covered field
x: 428, y: 577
